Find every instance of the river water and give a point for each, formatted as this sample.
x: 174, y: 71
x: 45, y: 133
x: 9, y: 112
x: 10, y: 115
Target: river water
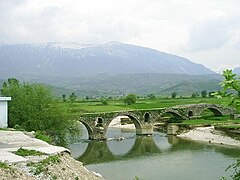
x: 152, y: 158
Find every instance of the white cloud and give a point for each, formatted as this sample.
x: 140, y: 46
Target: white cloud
x: 210, y: 33
x: 206, y: 31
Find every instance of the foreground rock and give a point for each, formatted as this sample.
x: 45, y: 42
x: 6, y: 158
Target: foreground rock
x: 55, y: 163
x: 66, y: 168
x: 209, y: 135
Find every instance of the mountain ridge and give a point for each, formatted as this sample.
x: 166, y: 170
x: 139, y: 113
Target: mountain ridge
x: 74, y: 59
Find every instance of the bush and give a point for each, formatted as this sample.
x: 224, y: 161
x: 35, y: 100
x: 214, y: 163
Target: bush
x: 174, y: 94
x: 34, y: 108
x: 130, y: 99
x: 43, y: 136
x: 104, y: 102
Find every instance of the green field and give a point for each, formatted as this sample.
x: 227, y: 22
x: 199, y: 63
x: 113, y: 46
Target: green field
x: 82, y: 107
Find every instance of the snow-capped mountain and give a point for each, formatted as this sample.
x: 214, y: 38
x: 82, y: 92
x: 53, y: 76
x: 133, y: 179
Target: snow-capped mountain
x: 73, y: 59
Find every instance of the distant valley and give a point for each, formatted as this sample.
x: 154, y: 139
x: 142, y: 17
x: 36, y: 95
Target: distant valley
x: 105, y: 69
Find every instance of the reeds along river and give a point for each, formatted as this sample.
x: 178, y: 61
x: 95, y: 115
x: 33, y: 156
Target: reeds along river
x: 155, y: 157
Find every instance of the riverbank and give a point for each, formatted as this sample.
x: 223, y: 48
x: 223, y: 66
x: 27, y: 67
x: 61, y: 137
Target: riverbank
x: 209, y: 135
x: 54, y: 162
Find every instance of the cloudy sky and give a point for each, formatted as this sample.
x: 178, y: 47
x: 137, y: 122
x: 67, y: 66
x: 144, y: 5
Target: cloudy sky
x: 204, y: 31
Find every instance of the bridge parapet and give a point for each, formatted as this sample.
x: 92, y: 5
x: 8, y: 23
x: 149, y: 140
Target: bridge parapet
x: 98, y: 123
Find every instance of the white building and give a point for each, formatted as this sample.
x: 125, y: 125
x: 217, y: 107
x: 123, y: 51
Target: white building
x: 4, y: 111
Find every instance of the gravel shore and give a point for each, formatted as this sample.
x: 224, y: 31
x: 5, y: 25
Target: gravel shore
x: 209, y: 135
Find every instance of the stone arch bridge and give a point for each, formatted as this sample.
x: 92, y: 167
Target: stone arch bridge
x: 97, y: 123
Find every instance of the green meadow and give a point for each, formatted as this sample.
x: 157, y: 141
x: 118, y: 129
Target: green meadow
x: 81, y: 107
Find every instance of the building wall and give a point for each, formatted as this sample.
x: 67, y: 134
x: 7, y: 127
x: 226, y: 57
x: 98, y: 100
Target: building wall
x: 3, y: 114
x: 4, y: 111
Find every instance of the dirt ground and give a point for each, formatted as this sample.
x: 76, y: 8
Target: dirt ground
x: 67, y: 168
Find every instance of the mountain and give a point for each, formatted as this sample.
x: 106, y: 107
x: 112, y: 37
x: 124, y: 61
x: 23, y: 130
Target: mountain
x: 187, y: 88
x: 160, y: 84
x: 75, y: 60
x: 237, y: 70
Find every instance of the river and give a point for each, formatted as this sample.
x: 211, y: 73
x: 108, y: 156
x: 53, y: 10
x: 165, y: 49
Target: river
x: 152, y: 158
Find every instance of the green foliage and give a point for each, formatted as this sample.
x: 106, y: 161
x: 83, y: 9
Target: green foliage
x: 236, y: 170
x: 3, y: 165
x: 26, y: 152
x: 64, y: 97
x: 151, y: 96
x: 230, y: 88
x: 104, y: 102
x: 211, y: 94
x: 194, y: 95
x: 42, y: 165
x: 130, y: 99
x: 204, y: 93
x: 72, y: 97
x: 174, y: 94
x: 87, y: 98
x: 43, y: 136
x: 34, y: 108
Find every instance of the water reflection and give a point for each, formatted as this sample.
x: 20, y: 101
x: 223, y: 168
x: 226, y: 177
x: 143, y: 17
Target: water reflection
x: 156, y: 156
x: 92, y: 152
x: 99, y: 152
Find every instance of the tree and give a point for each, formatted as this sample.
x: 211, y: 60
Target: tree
x: 130, y: 99
x: 151, y: 96
x: 104, y: 101
x: 210, y: 94
x: 64, y: 97
x: 72, y: 97
x: 204, y: 93
x: 174, y: 94
x: 194, y: 95
x: 34, y: 108
x: 230, y: 88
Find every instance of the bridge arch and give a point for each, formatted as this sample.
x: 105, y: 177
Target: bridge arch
x: 190, y: 113
x: 174, y: 113
x: 214, y: 110
x: 147, y: 117
x: 131, y: 116
x: 88, y: 127
x: 99, y: 122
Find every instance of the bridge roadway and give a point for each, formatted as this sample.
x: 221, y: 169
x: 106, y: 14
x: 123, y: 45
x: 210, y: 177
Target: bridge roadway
x: 97, y: 123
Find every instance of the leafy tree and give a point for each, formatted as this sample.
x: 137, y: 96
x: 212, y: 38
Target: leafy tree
x: 72, y: 97
x: 236, y: 170
x: 210, y: 94
x: 104, y: 102
x: 151, y: 96
x: 87, y: 98
x: 230, y: 88
x: 194, y: 95
x: 34, y: 108
x: 204, y: 93
x: 130, y: 99
x: 174, y: 94
x: 64, y: 97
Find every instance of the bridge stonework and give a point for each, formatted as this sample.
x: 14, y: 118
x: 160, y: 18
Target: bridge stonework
x: 98, y: 123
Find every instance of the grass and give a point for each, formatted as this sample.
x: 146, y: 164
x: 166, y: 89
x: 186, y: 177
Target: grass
x: 42, y: 165
x: 4, y: 165
x: 26, y: 152
x: 43, y: 136
x: 207, y: 122
x: 79, y: 108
